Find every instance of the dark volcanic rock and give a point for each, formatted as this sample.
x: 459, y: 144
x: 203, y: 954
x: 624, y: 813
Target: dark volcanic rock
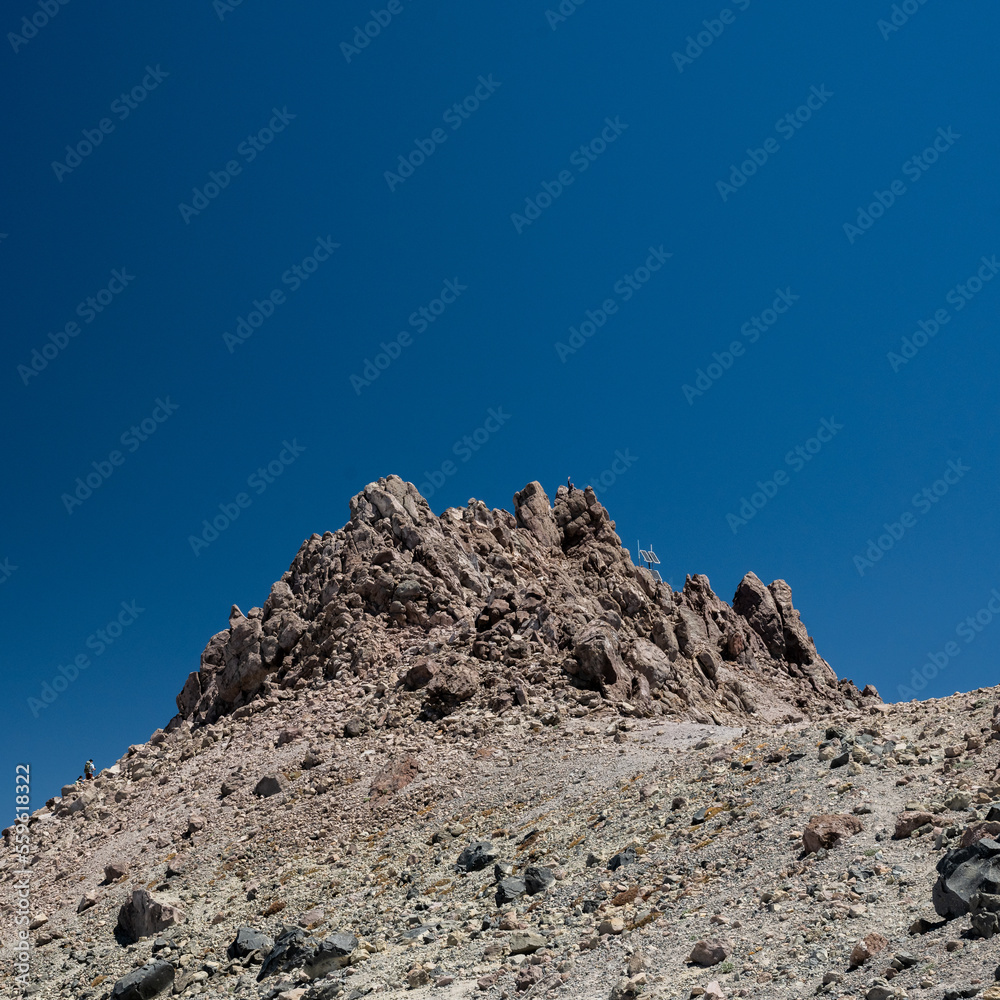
x: 249, y: 940
x: 537, y: 879
x: 333, y: 952
x: 270, y: 784
x: 622, y: 858
x: 476, y: 856
x: 143, y: 984
x: 509, y: 890
x: 289, y: 950
x: 963, y: 873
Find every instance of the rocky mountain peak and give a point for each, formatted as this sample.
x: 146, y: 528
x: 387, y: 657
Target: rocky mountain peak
x: 476, y: 606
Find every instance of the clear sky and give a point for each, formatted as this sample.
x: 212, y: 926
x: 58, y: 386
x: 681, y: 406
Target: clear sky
x: 337, y: 242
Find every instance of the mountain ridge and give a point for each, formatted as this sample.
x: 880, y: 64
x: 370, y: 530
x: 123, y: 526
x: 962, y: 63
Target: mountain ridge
x: 546, y: 592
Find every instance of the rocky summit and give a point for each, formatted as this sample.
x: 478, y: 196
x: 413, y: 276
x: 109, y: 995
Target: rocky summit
x: 481, y: 610
x: 484, y: 755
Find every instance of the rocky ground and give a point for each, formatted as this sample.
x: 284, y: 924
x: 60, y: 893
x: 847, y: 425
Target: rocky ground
x: 569, y: 782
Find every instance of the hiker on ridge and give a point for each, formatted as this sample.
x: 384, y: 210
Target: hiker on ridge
x: 88, y: 770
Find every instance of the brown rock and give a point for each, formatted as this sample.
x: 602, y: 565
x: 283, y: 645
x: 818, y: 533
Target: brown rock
x: 799, y: 646
x: 977, y: 831
x: 829, y: 831
x: 417, y: 977
x: 418, y: 675
x: 907, y: 822
x: 189, y: 695
x: 355, y: 727
x: 114, y: 871
x: 453, y: 683
x: 311, y: 917
x: 536, y: 585
x: 397, y: 776
x: 533, y: 512
x: 754, y: 602
x: 863, y: 951
x: 706, y: 953
x: 600, y: 665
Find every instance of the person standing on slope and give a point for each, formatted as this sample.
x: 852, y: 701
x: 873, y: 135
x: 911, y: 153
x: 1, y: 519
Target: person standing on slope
x: 88, y: 770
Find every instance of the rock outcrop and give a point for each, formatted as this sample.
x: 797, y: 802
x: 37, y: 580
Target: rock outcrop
x: 143, y: 916
x: 482, y: 606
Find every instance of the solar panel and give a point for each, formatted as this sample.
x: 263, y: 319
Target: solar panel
x: 652, y: 557
x: 643, y: 554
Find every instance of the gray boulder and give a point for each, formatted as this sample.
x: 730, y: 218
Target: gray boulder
x: 229, y: 786
x: 622, y: 858
x: 965, y: 872
x: 333, y: 952
x: 652, y: 662
x: 244, y: 670
x: 985, y: 910
x: 143, y: 916
x: 510, y: 890
x: 150, y: 981
x: 476, y: 856
x: 526, y: 942
x: 294, y: 949
x: 270, y: 784
x: 249, y: 940
x: 289, y: 950
x: 537, y: 879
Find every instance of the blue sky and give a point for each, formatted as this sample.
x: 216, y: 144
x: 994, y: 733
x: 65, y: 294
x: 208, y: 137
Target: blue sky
x: 330, y: 261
